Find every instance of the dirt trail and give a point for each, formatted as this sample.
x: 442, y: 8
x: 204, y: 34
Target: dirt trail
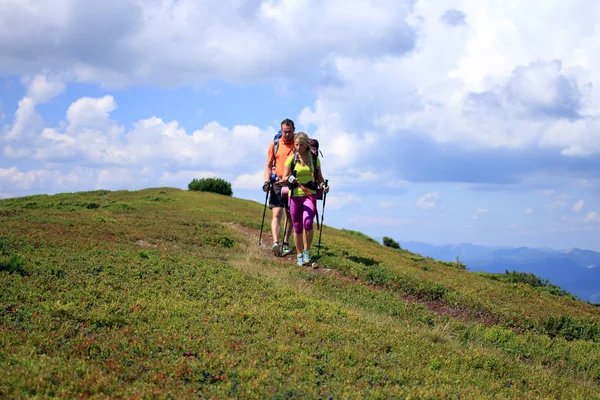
x: 436, y: 306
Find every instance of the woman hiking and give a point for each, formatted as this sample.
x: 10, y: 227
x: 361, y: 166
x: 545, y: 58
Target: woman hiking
x: 303, y: 172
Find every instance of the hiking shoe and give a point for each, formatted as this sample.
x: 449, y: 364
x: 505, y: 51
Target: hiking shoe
x: 306, y: 256
x: 285, y: 249
x: 275, y: 249
x: 300, y: 259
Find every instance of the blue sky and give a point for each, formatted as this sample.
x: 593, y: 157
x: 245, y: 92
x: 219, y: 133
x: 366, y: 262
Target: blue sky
x: 443, y: 122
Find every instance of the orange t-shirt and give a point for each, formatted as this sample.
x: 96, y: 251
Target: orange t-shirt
x: 283, y: 152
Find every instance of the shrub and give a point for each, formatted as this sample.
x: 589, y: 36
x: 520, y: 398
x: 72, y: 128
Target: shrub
x: 570, y: 328
x: 389, y: 242
x: 214, y: 185
x: 378, y: 276
x: 12, y: 264
x: 220, y: 241
x: 454, y: 264
x: 527, y: 278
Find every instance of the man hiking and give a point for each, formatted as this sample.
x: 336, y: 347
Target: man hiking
x: 276, y: 157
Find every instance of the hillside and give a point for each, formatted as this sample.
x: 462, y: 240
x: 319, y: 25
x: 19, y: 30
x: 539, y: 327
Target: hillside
x: 575, y: 270
x: 165, y: 293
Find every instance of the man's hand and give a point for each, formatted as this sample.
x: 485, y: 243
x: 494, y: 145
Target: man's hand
x: 324, y: 187
x: 266, y: 186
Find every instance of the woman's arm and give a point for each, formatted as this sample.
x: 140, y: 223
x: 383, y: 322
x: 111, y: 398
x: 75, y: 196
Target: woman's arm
x: 287, y: 171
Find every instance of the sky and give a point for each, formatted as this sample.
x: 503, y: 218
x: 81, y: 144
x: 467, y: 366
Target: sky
x: 445, y: 122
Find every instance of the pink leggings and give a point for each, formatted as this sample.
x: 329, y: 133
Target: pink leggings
x: 302, y: 210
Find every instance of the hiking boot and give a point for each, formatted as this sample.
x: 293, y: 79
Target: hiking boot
x: 275, y: 249
x: 306, y: 256
x: 285, y: 249
x: 300, y: 260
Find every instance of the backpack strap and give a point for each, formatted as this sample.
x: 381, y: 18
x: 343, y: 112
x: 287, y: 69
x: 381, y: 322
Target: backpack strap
x: 276, y: 143
x: 314, y: 159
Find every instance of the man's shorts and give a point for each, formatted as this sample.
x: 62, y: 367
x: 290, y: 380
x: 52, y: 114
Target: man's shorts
x: 275, y: 199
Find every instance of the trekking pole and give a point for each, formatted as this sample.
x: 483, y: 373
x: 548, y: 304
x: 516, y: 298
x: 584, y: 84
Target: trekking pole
x: 263, y: 218
x: 322, y: 217
x: 285, y: 212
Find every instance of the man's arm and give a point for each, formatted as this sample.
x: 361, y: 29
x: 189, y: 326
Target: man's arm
x: 269, y: 166
x: 268, y: 170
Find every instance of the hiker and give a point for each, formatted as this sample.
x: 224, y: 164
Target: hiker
x: 276, y: 156
x: 303, y: 172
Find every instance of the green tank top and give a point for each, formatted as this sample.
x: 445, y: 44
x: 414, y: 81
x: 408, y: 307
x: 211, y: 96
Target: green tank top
x: 303, y: 175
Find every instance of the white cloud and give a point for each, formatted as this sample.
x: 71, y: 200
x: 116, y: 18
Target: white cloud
x: 41, y: 89
x: 92, y: 137
x: 546, y: 192
x: 578, y: 206
x: 529, y: 211
x: 21, y: 180
x: 114, y: 42
x: 249, y: 181
x: 27, y: 122
x: 513, y: 226
x: 558, y: 204
x: 592, y: 217
x: 91, y: 112
x: 427, y: 201
x: 494, y: 82
x: 368, y: 176
x: 398, y: 183
x: 116, y: 177
x: 45, y: 180
x: 479, y: 212
x: 384, y: 221
x: 387, y: 204
x: 589, y: 183
x: 132, y: 178
x: 337, y: 201
x: 395, y: 66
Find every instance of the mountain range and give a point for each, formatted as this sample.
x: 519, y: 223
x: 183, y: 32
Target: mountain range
x: 574, y: 270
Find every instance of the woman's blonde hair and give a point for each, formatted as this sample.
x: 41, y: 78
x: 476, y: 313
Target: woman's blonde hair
x: 303, y: 138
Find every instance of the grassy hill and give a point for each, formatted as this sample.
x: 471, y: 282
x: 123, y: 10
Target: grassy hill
x: 164, y: 293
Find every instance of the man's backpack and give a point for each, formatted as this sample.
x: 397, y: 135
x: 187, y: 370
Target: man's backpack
x: 276, y: 142
x: 314, y: 145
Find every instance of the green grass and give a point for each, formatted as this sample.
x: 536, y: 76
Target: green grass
x: 360, y: 235
x: 527, y: 279
x: 165, y: 293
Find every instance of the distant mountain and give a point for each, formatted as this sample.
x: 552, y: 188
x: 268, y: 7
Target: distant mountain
x: 574, y: 270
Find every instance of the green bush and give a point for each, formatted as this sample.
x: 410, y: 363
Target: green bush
x: 454, y: 264
x: 389, y: 242
x: 214, y: 185
x: 528, y: 278
x: 12, y: 264
x: 570, y: 328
